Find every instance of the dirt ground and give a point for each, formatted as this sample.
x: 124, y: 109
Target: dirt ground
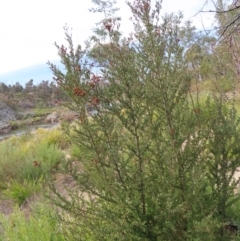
x: 6, y: 206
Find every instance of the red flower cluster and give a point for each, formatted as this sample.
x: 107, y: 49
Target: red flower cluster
x: 36, y: 164
x: 172, y: 131
x: 82, y: 119
x: 95, y: 161
x: 146, y: 6
x: 91, y: 84
x: 62, y: 50
x: 79, y: 92
x: 196, y: 110
x: 78, y: 68
x: 59, y: 81
x: 94, y: 80
x: 108, y: 24
x: 95, y: 101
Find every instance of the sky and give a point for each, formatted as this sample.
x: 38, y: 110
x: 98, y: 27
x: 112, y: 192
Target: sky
x: 28, y: 29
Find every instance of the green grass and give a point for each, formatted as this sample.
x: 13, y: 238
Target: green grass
x: 26, y: 164
x: 31, y: 155
x: 40, y: 111
x: 21, y: 192
x: 42, y: 225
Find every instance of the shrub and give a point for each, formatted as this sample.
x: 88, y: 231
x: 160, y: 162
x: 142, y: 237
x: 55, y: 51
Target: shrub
x: 157, y: 164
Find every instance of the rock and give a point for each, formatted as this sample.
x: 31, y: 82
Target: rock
x: 52, y: 118
x: 4, y: 128
x: 68, y: 157
x: 68, y: 116
x: 91, y: 110
x: 6, y: 115
x: 26, y: 104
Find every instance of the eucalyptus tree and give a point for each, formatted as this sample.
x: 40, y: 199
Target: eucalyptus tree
x: 228, y: 47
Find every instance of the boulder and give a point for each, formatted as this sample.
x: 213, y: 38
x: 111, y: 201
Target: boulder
x: 4, y: 127
x: 6, y: 115
x: 68, y: 116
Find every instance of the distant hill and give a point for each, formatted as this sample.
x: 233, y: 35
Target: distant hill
x: 37, y: 73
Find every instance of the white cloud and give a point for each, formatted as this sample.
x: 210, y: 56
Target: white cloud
x: 191, y: 11
x: 29, y: 28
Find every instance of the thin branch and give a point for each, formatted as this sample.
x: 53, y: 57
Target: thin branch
x: 221, y: 11
x: 200, y: 9
x: 228, y: 25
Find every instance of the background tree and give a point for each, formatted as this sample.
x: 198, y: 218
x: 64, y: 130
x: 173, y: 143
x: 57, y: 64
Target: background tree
x: 3, y: 88
x: 227, y: 46
x: 227, y: 13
